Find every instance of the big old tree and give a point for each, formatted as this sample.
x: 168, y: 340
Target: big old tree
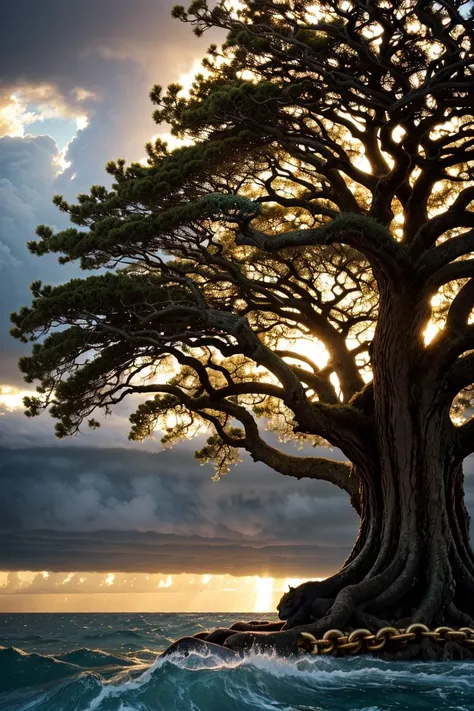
x: 306, y: 263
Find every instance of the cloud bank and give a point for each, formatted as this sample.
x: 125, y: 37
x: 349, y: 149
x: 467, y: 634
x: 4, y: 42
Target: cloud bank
x: 82, y: 509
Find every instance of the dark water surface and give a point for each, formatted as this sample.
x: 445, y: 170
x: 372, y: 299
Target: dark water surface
x: 100, y: 662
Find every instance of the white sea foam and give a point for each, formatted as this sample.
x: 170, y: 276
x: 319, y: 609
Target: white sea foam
x: 309, y: 673
x: 112, y: 689
x: 205, y: 682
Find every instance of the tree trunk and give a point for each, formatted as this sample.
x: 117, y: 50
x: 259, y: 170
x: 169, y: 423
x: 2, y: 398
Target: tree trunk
x: 412, y: 561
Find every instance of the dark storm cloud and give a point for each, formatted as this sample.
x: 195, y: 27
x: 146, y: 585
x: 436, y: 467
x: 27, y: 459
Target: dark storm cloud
x: 53, y: 40
x: 136, y: 552
x: 98, y: 501
x: 27, y: 183
x: 81, y: 509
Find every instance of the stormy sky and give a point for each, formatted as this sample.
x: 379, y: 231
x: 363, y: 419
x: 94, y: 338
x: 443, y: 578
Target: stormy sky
x: 74, y: 84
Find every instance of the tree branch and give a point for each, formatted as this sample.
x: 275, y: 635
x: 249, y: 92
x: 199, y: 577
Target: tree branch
x: 343, y: 427
x: 338, y: 473
x: 463, y: 269
x: 465, y: 436
x: 447, y: 252
x: 362, y: 233
x: 461, y: 375
x: 461, y: 307
x: 427, y: 235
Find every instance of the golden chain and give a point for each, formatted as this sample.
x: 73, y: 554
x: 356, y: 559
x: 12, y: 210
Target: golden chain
x: 363, y: 640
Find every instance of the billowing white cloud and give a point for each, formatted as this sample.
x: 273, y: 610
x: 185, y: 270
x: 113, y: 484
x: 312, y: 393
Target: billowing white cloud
x: 23, y: 105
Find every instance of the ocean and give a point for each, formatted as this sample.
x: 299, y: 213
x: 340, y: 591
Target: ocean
x: 110, y: 662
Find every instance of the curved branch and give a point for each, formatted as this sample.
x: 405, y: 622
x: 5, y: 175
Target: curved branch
x: 448, y: 251
x: 362, y: 233
x: 461, y: 307
x: 338, y: 473
x: 297, y: 304
x: 342, y: 426
x: 452, y: 272
x: 465, y: 435
x: 461, y: 375
x: 449, y: 345
x: 321, y: 385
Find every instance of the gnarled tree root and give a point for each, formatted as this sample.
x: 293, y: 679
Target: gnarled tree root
x: 233, y: 644
x: 187, y: 645
x: 433, y: 586
x: 444, y: 601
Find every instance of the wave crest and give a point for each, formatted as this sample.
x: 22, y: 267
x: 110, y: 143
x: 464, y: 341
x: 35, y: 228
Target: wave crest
x: 96, y: 680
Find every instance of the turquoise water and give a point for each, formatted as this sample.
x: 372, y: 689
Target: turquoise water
x: 110, y: 663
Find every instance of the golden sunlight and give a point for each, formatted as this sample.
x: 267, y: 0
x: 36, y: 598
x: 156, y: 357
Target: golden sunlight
x: 362, y: 163
x: 60, y: 162
x: 65, y: 591
x: 235, y: 7
x: 310, y: 347
x: 264, y: 598
x: 188, y: 78
x: 166, y: 583
x: 430, y: 332
x: 12, y: 398
x: 13, y: 118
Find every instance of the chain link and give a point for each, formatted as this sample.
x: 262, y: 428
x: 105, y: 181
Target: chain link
x: 362, y: 640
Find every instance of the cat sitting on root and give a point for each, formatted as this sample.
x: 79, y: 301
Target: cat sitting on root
x: 300, y: 606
